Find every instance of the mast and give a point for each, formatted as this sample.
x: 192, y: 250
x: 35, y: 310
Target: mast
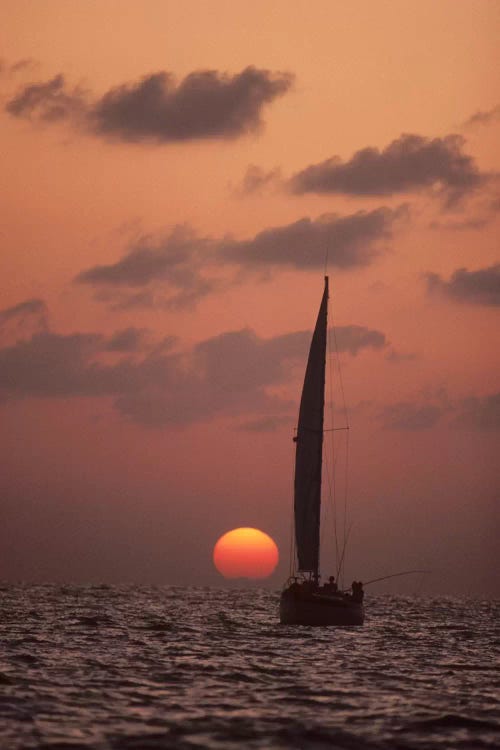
x: 309, y: 448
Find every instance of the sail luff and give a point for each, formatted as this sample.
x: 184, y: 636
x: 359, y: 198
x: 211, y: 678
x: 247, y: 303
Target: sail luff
x: 309, y: 448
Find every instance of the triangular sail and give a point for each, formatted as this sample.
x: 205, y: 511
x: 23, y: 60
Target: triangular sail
x: 309, y: 449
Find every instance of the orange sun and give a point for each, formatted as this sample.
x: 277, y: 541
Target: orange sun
x: 245, y: 553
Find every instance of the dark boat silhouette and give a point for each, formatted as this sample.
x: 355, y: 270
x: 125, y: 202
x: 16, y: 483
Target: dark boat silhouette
x: 304, y: 601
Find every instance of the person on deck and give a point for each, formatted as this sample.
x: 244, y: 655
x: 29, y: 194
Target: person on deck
x: 357, y: 591
x: 331, y: 587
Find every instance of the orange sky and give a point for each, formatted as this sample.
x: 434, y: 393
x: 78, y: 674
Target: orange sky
x: 126, y: 461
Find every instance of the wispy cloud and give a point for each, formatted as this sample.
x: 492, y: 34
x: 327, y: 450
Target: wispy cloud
x: 484, y: 117
x: 17, y: 67
x: 407, y: 415
x: 428, y: 410
x: 30, y: 307
x: 479, y: 413
x: 25, y: 318
x: 256, y: 179
x: 48, y: 101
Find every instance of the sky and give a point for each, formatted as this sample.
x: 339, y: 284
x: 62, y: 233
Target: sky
x: 176, y: 177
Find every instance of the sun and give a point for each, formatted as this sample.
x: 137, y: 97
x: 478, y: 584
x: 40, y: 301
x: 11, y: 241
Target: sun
x: 245, y: 553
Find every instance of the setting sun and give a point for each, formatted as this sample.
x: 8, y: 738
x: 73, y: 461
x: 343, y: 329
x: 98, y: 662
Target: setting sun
x: 245, y: 553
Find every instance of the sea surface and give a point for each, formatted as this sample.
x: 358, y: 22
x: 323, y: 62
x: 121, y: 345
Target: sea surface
x: 128, y: 667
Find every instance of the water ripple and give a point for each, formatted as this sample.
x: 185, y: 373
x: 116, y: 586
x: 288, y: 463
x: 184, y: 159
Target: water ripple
x: 128, y: 667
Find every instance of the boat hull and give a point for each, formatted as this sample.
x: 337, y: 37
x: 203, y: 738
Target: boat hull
x: 317, y: 610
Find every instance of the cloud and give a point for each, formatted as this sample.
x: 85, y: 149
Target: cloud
x: 347, y: 241
x: 487, y: 117
x: 481, y: 287
x: 189, y: 267
x: 266, y: 424
x: 177, y: 260
x: 396, y: 357
x: 256, y: 179
x: 409, y: 163
x: 49, y: 364
x: 25, y: 317
x: 479, y: 413
x: 354, y: 338
x: 127, y: 340
x: 19, y: 66
x: 205, y: 104
x: 23, y: 64
x: 406, y: 415
x: 232, y: 374
x: 30, y: 307
x: 47, y: 101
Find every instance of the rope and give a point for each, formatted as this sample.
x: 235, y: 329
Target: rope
x: 291, y: 552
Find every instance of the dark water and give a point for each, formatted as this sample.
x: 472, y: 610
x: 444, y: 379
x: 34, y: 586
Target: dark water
x: 138, y: 667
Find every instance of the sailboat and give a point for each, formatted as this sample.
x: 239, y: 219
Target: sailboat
x: 304, y: 601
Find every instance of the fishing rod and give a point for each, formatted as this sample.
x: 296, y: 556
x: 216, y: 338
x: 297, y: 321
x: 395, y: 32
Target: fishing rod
x: 394, y: 575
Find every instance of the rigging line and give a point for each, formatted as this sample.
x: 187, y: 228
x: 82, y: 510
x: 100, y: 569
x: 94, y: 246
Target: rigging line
x: 330, y: 498
x: 332, y: 418
x: 344, y: 404
x: 291, y: 551
x: 346, y: 492
x: 341, y: 381
x: 342, y: 560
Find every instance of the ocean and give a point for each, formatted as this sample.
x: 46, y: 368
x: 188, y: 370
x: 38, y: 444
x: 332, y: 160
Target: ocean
x: 133, y: 667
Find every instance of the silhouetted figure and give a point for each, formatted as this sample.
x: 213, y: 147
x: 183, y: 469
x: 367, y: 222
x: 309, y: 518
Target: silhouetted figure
x: 331, y: 587
x: 357, y: 591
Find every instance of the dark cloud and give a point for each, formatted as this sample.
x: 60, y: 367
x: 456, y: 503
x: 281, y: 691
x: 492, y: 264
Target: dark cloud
x: 479, y: 413
x: 346, y: 241
x: 47, y: 101
x: 231, y: 374
x: 190, y: 267
x: 481, y: 287
x: 205, y: 104
x: 127, y: 340
x: 487, y: 117
x: 409, y: 163
x: 354, y: 338
x: 49, y: 364
x: 407, y: 415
